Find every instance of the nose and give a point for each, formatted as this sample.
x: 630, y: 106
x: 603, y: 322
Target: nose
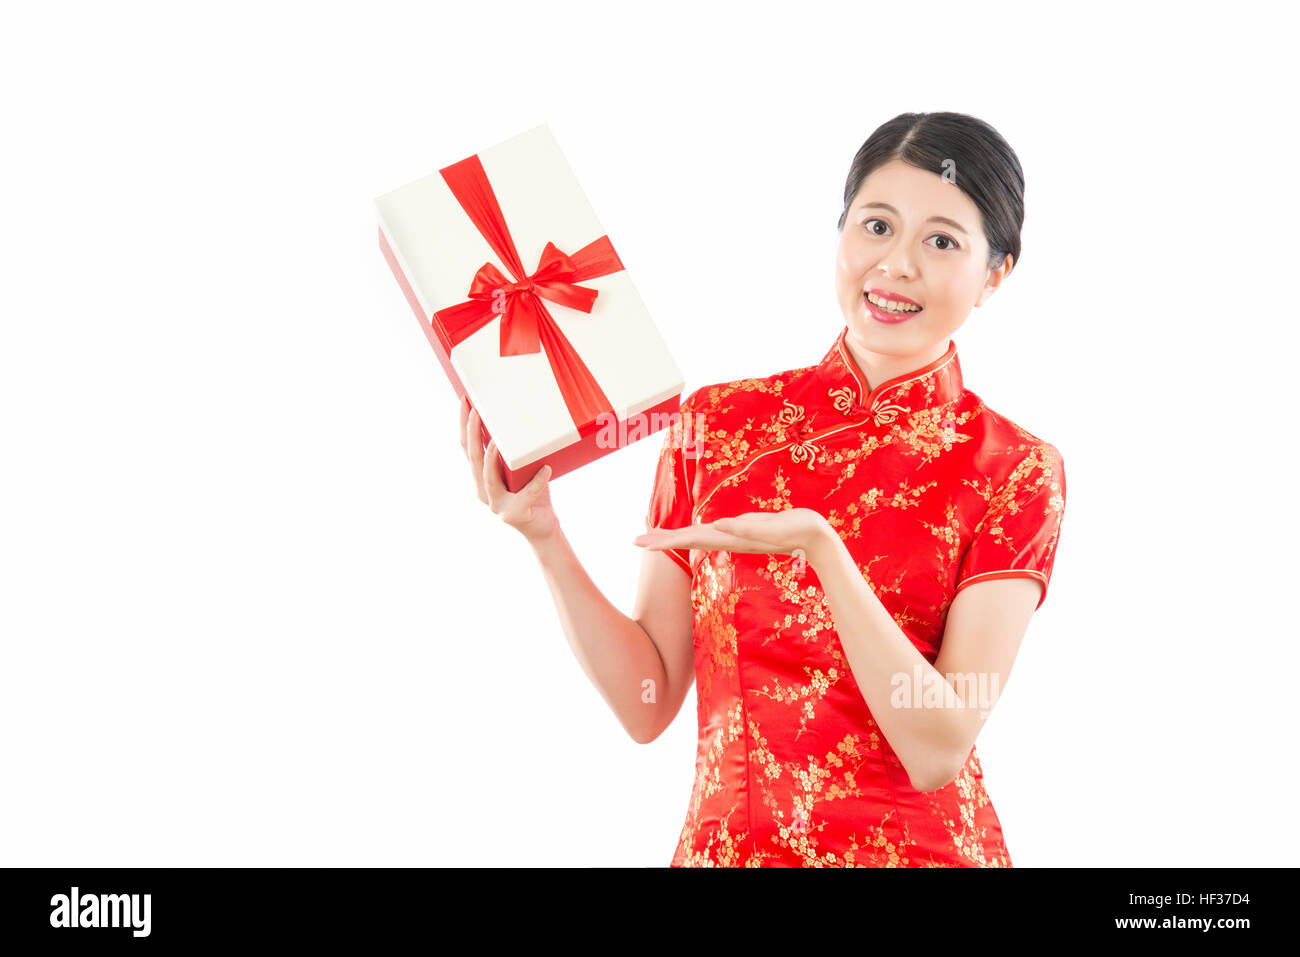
x: 895, y: 264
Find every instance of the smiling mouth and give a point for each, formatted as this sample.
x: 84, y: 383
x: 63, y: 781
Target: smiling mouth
x: 890, y: 305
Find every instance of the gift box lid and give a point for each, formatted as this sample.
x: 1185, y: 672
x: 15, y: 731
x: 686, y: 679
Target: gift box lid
x: 439, y: 249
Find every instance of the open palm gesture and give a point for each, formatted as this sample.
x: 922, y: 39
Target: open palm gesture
x: 792, y: 531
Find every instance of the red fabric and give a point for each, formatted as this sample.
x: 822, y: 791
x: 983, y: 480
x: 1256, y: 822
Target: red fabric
x: 931, y: 492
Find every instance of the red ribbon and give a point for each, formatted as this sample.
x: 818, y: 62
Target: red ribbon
x: 526, y: 325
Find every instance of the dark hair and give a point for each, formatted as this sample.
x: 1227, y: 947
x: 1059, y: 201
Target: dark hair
x: 979, y: 161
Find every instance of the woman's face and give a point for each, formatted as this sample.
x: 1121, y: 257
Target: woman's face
x: 910, y: 233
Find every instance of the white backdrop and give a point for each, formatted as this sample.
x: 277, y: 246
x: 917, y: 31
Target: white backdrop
x: 253, y: 612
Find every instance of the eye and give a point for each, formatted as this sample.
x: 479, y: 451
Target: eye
x: 872, y: 229
x: 952, y: 243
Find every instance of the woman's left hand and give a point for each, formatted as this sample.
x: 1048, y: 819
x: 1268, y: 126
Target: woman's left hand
x: 792, y: 531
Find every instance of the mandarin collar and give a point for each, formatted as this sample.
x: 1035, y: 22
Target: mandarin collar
x: 837, y: 382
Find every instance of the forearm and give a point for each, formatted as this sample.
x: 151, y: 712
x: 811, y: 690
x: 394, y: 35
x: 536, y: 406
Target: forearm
x: 928, y: 740
x: 613, y: 649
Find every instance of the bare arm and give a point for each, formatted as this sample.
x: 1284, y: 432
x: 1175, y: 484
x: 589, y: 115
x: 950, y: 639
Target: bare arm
x: 642, y: 665
x: 982, y: 635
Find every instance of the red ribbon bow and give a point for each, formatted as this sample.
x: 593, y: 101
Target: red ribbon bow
x: 526, y: 325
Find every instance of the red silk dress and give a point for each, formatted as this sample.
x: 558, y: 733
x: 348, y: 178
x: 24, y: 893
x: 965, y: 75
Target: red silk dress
x: 930, y: 491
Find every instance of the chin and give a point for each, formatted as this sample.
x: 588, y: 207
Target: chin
x: 896, y: 342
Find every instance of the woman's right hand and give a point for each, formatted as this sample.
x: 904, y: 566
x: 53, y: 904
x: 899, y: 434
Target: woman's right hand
x: 529, y: 510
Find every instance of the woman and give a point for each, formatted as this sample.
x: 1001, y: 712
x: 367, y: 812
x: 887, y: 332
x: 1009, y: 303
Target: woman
x: 845, y: 555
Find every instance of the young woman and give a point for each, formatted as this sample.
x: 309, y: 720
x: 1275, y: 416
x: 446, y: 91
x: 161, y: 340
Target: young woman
x: 847, y: 555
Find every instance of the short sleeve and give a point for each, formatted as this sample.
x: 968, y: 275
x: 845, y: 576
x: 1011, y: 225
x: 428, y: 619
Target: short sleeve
x: 1018, y: 534
x: 673, y: 498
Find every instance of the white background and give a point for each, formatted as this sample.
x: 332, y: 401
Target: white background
x: 253, y: 612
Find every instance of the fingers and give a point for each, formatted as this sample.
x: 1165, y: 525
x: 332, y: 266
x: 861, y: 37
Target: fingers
x: 466, y: 414
x: 703, y: 537
x: 497, y: 492
x: 521, y: 506
x: 485, y: 467
x: 535, y: 484
x: 464, y: 424
x: 513, y: 506
x: 474, y: 446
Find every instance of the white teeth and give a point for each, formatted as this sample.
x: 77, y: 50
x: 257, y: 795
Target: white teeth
x: 890, y: 305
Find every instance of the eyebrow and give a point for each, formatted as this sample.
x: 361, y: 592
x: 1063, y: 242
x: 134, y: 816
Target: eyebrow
x: 933, y: 219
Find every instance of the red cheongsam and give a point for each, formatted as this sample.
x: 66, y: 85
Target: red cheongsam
x: 931, y: 491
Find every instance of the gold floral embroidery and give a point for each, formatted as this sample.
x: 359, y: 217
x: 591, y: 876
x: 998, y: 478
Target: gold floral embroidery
x: 791, y: 767
x: 933, y: 431
x: 715, y: 598
x: 969, y: 837
x: 948, y: 531
x: 708, y: 782
x: 790, y: 414
x: 804, y: 452
x: 780, y: 499
x: 727, y: 451
x: 843, y: 399
x: 812, y: 781
x: 883, y: 413
x: 1034, y: 471
x: 870, y: 501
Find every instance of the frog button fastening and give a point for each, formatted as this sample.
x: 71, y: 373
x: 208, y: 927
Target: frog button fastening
x: 884, y: 413
x: 843, y: 400
x: 803, y: 450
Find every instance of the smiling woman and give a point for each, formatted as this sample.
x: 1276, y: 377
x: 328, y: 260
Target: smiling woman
x: 835, y: 543
x: 862, y: 528
x: 931, y: 226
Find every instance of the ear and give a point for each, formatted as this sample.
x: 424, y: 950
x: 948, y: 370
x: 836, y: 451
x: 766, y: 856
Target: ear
x: 995, y: 278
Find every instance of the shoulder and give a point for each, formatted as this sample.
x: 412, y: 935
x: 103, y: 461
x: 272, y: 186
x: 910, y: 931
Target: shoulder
x: 1001, y: 441
x: 743, y: 398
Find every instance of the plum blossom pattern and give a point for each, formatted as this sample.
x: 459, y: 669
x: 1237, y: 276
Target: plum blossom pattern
x: 931, y: 492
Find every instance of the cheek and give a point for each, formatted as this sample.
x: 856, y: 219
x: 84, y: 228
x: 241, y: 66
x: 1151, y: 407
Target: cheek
x: 851, y: 262
x: 954, y: 286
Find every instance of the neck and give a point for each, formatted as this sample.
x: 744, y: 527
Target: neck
x: 877, y: 367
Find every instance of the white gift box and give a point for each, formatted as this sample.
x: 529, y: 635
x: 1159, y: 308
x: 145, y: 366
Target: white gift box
x: 447, y: 237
